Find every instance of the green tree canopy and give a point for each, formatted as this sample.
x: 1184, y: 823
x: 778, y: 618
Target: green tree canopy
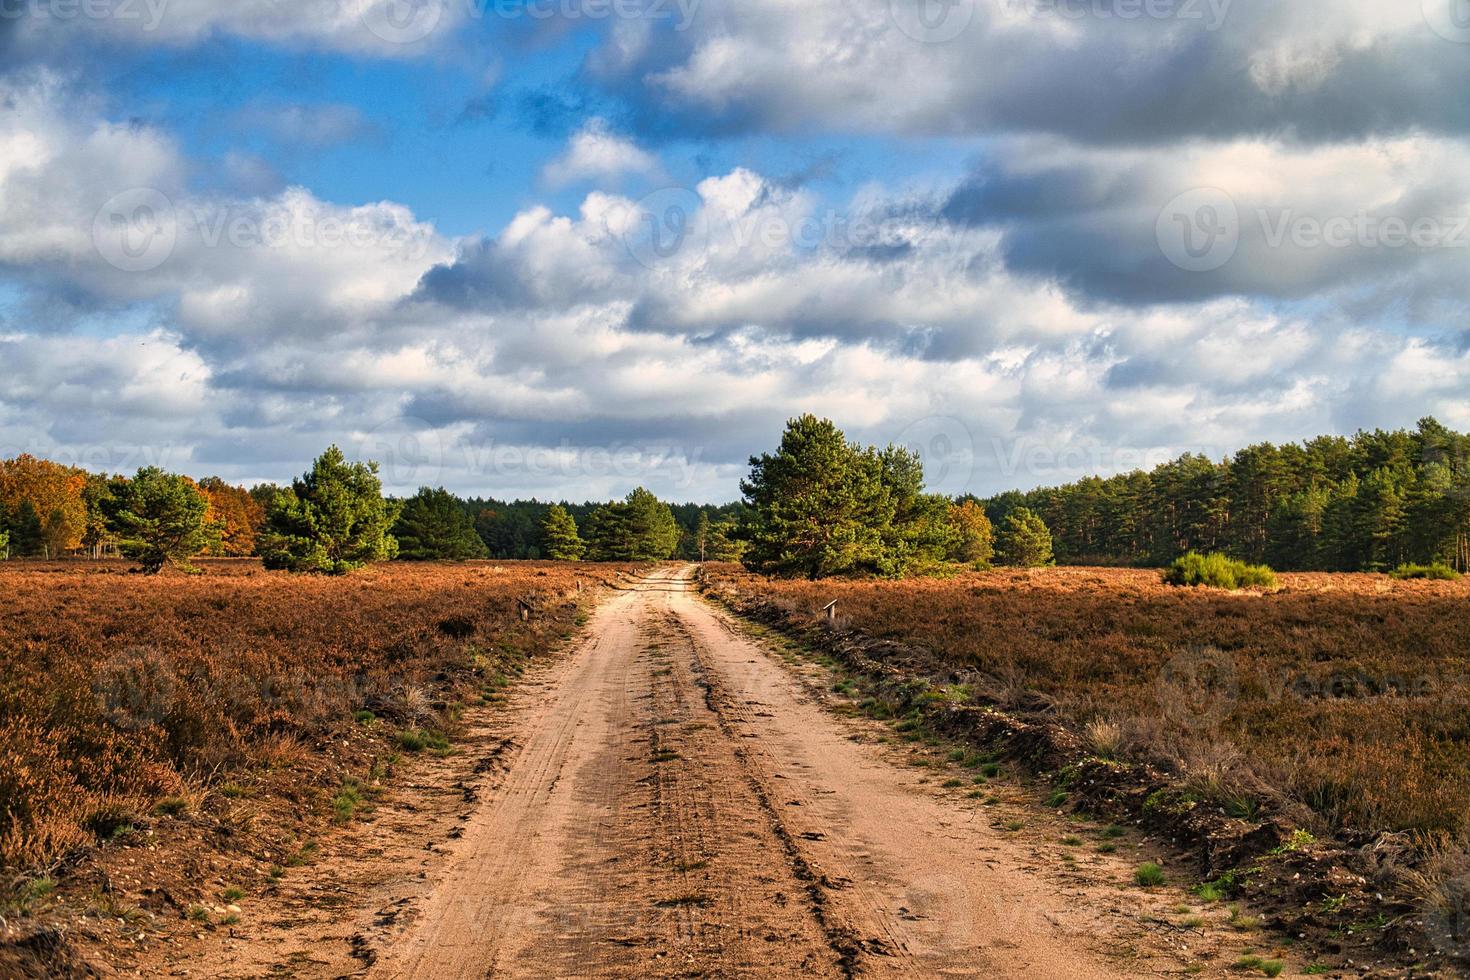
x: 26, y: 537
x: 810, y: 505
x: 333, y: 519
x: 159, y: 519
x: 638, y: 528
x: 972, y: 539
x: 1364, y: 502
x: 1024, y: 540
x: 723, y: 543
x: 559, y: 531
x: 433, y: 524
x: 821, y: 505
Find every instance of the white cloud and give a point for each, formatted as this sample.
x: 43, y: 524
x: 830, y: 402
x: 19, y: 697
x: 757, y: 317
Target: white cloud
x: 595, y: 153
x: 574, y: 354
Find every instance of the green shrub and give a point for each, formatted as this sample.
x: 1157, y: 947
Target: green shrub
x: 1149, y: 875
x: 1438, y: 571
x: 1218, y: 571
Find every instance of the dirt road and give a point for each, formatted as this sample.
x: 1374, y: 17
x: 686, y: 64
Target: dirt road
x: 676, y: 803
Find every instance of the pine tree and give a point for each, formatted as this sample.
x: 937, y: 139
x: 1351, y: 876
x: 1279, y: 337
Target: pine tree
x: 159, y: 519
x: 701, y: 535
x: 810, y: 506
x: 639, y: 528
x: 333, y: 519
x: 651, y: 523
x: 724, y: 543
x: 559, y: 533
x: 26, y: 539
x: 1025, y: 541
x: 433, y: 525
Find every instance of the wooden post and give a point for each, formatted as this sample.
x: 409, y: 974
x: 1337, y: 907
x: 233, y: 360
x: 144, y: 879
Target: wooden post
x: 831, y: 610
x: 525, y: 610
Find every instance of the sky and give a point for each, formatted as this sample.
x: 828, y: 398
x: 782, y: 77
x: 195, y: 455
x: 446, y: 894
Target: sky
x: 564, y: 248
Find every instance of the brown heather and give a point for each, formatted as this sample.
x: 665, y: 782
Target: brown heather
x: 1349, y: 693
x: 119, y: 690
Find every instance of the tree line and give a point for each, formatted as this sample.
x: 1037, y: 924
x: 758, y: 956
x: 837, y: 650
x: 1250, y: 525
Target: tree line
x: 819, y: 505
x: 1370, y: 502
x: 333, y: 519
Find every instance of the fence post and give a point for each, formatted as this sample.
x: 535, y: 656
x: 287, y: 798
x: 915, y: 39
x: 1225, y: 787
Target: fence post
x: 831, y: 610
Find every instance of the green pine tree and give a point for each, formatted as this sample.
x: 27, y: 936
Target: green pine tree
x: 724, y: 543
x: 559, y: 534
x: 1025, y: 541
x: 811, y: 507
x: 433, y: 524
x: 639, y: 528
x: 333, y: 519
x: 26, y: 536
x: 159, y: 519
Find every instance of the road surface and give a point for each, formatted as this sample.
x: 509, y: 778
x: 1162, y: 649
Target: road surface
x: 676, y: 803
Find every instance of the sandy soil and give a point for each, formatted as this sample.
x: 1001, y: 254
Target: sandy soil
x: 675, y: 801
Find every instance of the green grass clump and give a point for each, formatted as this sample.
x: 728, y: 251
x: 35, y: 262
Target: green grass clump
x: 1219, y: 571
x: 28, y: 897
x: 1149, y: 875
x: 415, y: 740
x: 171, y: 806
x: 1209, y: 891
x: 1437, y: 571
x: 1271, y: 968
x: 348, y: 799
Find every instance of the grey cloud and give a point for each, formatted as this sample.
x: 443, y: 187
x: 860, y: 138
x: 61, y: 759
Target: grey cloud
x: 1313, y: 70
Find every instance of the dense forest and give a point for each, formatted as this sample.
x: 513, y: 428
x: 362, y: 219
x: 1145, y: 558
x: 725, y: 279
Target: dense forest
x: 821, y: 505
x: 1366, y: 503
x: 48, y: 509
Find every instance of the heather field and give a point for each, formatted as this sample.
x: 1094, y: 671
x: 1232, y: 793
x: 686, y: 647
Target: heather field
x: 1346, y: 693
x: 125, y: 697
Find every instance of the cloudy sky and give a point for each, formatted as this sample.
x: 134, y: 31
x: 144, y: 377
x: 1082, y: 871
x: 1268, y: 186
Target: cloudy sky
x: 564, y: 247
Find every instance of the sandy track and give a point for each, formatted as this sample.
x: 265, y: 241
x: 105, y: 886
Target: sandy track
x: 677, y: 805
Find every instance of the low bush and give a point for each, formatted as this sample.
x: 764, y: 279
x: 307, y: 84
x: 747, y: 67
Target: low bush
x: 1438, y: 572
x: 1218, y: 571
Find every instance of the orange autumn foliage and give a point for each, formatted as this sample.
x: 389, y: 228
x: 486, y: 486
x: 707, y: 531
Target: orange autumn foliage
x: 55, y: 491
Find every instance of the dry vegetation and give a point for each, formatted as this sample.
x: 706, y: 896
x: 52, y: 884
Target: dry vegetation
x: 126, y: 701
x: 1311, y: 743
x: 1350, y: 693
